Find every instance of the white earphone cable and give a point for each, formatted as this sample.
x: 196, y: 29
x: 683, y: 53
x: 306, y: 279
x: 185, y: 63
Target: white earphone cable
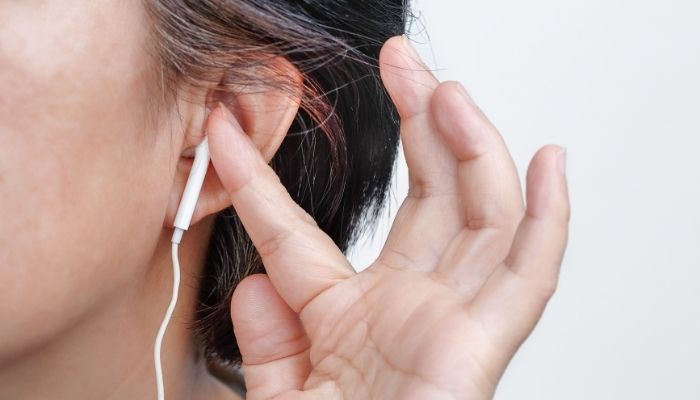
x: 164, y: 325
x: 185, y: 211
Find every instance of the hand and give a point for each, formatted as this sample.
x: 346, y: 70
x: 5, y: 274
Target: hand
x: 462, y: 279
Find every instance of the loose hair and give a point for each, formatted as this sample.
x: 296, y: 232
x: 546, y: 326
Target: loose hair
x: 339, y: 155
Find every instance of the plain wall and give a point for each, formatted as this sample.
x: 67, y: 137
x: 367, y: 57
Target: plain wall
x: 617, y: 83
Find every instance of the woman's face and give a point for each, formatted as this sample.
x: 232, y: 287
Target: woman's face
x: 86, y: 164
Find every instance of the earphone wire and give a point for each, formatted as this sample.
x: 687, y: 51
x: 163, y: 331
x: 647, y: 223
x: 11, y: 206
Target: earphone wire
x: 164, y: 325
x: 185, y: 211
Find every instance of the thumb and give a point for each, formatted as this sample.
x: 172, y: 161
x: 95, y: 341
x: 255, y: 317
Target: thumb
x: 272, y: 340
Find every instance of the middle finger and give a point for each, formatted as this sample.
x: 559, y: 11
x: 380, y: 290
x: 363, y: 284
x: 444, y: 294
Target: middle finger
x: 490, y: 188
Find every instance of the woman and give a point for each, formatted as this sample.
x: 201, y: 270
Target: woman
x: 302, y: 102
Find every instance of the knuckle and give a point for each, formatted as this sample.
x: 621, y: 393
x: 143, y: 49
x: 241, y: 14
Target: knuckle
x: 541, y: 289
x: 307, y: 218
x: 397, y: 260
x: 548, y: 287
x: 541, y: 284
x: 492, y: 215
x: 276, y: 242
x: 424, y: 190
x: 272, y: 245
x: 477, y: 222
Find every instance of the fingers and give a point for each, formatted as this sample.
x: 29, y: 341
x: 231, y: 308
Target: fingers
x: 539, y: 244
x: 489, y: 187
x: 407, y: 80
x: 514, y: 297
x: 271, y: 338
x: 300, y: 259
x: 432, y: 196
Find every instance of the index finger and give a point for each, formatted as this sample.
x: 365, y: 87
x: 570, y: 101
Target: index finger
x: 301, y: 260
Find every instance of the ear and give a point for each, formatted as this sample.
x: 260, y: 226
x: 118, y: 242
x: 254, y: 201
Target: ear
x: 265, y: 113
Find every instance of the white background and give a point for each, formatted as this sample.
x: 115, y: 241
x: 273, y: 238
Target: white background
x: 617, y: 83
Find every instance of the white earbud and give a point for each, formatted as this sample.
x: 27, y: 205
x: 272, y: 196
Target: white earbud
x: 192, y: 189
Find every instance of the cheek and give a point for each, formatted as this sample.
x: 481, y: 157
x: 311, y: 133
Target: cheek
x: 84, y: 181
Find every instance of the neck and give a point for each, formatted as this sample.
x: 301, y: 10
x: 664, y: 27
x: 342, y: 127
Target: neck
x: 109, y: 353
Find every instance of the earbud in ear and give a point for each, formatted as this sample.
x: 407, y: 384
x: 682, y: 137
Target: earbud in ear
x: 194, y: 185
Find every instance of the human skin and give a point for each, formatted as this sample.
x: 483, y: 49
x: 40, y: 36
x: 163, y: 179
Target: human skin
x: 462, y: 280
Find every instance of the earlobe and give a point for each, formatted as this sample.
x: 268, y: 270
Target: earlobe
x: 265, y: 114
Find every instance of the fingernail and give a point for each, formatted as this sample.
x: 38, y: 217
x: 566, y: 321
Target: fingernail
x: 466, y: 95
x: 224, y: 123
x: 230, y: 118
x: 561, y: 160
